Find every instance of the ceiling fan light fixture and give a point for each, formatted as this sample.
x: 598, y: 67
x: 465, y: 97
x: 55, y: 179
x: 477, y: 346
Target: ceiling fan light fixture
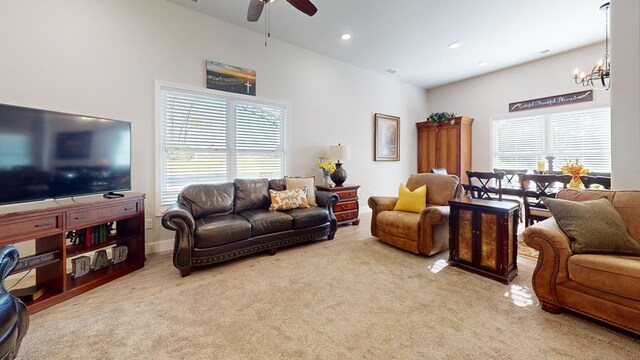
x: 345, y: 36
x: 454, y: 45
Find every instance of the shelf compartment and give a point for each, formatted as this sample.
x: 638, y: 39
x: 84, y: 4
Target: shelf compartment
x: 97, y: 278
x: 74, y: 250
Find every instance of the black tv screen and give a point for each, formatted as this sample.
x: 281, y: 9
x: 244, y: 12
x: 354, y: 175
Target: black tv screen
x: 46, y: 154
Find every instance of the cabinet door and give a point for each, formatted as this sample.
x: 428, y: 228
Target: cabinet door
x: 488, y: 240
x: 427, y: 145
x: 465, y: 235
x: 449, y: 149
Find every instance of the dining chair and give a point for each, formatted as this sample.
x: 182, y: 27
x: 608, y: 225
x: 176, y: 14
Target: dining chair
x: 535, y: 187
x: 483, y: 188
x: 589, y: 180
x: 510, y: 176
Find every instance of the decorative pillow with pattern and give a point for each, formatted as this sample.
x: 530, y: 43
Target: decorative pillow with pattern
x: 289, y: 199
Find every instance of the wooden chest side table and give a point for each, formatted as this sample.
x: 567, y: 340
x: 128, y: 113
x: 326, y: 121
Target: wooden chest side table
x: 347, y: 208
x: 483, y: 237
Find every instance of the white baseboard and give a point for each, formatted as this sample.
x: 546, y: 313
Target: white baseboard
x: 159, y: 246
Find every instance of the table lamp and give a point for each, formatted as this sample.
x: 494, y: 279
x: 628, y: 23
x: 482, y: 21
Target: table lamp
x: 337, y: 153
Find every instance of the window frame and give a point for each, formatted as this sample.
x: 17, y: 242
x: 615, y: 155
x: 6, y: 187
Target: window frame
x: 546, y: 113
x: 164, y: 85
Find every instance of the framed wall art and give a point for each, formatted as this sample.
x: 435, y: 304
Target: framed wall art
x: 387, y: 138
x: 230, y: 78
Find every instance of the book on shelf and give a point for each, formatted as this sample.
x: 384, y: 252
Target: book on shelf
x: 30, y: 293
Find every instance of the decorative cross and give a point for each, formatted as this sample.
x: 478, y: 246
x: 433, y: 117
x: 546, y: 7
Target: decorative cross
x: 248, y: 85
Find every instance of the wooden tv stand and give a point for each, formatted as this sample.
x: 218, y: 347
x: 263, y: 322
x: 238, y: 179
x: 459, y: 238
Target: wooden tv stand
x: 47, y: 223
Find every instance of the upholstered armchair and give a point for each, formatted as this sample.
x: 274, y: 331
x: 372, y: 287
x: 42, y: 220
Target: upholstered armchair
x: 14, y: 318
x: 601, y: 286
x: 420, y: 233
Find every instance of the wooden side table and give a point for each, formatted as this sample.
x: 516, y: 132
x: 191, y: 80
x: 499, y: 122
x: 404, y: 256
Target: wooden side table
x: 347, y: 208
x: 483, y: 237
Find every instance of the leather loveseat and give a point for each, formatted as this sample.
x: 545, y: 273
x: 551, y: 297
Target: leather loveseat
x: 604, y: 287
x: 219, y: 222
x: 14, y: 318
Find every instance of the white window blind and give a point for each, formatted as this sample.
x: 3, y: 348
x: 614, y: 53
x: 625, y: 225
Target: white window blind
x: 583, y: 135
x: 207, y: 138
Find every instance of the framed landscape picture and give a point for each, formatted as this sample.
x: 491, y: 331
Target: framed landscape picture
x: 230, y: 78
x: 387, y: 138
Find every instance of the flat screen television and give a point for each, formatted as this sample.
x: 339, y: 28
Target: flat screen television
x: 46, y: 154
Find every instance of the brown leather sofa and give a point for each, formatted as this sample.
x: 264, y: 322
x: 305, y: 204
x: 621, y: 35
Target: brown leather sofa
x: 219, y: 222
x: 604, y: 287
x: 424, y: 233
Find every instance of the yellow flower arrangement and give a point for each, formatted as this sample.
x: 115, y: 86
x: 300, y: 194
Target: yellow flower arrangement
x: 327, y: 166
x: 575, y: 169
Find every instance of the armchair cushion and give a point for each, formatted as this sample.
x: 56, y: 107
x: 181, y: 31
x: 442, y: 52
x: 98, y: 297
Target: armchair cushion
x: 218, y: 230
x: 400, y: 223
x: 411, y: 201
x: 618, y: 275
x: 251, y: 194
x: 594, y: 226
x: 442, y: 188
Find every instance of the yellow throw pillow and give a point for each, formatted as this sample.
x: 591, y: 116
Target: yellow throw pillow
x: 411, y: 201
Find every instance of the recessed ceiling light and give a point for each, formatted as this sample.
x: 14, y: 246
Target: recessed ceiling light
x: 345, y: 36
x: 482, y: 64
x: 454, y: 45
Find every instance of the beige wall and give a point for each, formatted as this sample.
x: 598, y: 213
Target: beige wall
x: 487, y: 97
x: 101, y: 58
x: 625, y: 93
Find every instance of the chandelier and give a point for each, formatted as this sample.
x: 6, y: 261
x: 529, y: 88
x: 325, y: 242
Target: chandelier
x: 600, y: 73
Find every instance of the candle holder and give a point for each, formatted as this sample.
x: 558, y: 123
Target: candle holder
x: 550, y: 162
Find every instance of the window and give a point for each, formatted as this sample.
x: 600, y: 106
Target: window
x: 583, y: 135
x: 209, y: 137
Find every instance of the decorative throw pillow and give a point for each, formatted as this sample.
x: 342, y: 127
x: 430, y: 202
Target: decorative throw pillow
x: 292, y: 183
x: 594, y: 226
x: 411, y: 201
x: 289, y: 199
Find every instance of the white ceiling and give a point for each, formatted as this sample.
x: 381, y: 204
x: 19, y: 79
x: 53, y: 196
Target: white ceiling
x: 411, y: 36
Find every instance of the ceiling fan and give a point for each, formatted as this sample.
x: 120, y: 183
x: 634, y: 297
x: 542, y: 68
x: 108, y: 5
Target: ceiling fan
x: 256, y: 6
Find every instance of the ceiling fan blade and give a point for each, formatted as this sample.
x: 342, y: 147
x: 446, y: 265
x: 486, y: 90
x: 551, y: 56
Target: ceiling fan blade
x: 255, y: 10
x: 305, y: 6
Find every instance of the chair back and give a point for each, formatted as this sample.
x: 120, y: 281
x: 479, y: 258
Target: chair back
x: 589, y: 180
x: 442, y: 171
x: 482, y: 188
x: 440, y: 188
x: 510, y: 176
x: 537, y: 186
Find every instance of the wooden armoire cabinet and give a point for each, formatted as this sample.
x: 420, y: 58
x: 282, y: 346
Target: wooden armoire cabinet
x: 445, y: 146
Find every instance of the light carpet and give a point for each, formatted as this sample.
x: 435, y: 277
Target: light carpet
x: 350, y: 298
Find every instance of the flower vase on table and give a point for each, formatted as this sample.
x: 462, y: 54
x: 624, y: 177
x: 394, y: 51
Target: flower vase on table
x: 327, y: 167
x: 575, y: 169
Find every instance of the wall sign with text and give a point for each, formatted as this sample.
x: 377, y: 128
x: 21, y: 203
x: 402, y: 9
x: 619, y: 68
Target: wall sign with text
x: 573, y: 98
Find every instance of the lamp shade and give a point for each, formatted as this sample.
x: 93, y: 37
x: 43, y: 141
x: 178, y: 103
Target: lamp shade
x: 339, y: 152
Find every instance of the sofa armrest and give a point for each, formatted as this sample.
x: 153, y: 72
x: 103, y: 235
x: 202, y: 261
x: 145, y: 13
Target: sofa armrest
x: 434, y: 229
x: 379, y: 204
x: 434, y: 214
x: 555, y: 249
x: 179, y: 219
x: 328, y: 200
